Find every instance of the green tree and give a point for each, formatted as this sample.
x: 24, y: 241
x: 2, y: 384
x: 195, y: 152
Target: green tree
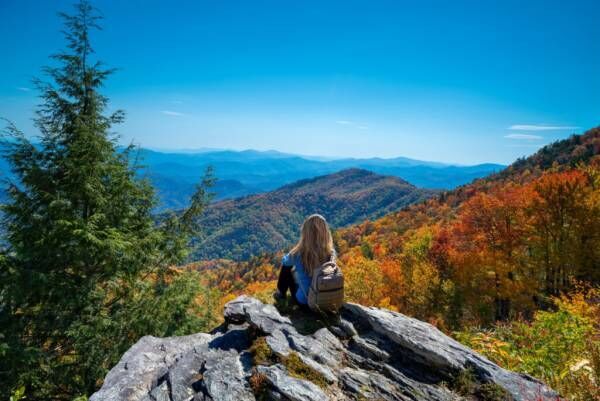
x: 86, y: 267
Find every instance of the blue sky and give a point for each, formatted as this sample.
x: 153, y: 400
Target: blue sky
x: 454, y: 81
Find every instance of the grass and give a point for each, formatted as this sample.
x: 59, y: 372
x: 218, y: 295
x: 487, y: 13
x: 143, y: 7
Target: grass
x: 300, y: 370
x: 263, y: 355
x: 466, y: 384
x: 492, y: 392
x: 259, y: 385
x: 560, y: 346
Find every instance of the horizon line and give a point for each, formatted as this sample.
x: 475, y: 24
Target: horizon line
x: 201, y: 150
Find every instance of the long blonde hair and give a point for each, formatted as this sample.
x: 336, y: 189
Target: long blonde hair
x: 315, y: 246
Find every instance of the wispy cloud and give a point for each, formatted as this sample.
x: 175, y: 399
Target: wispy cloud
x: 352, y: 124
x: 23, y: 89
x: 536, y: 127
x: 526, y: 137
x: 172, y: 113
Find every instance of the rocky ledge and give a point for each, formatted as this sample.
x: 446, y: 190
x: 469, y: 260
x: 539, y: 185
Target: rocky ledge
x: 365, y: 354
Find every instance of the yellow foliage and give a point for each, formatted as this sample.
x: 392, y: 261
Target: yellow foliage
x: 581, y: 302
x: 424, y: 281
x: 263, y: 290
x: 364, y: 281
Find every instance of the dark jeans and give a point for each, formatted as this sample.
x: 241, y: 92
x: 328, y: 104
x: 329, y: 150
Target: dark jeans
x: 286, y: 281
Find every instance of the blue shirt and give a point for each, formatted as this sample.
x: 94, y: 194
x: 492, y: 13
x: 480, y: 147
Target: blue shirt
x: 300, y: 276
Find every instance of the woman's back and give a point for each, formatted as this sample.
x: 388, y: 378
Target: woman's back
x: 301, y: 276
x: 314, y: 248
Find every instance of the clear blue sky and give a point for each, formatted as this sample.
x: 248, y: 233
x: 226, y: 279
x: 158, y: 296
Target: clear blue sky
x: 454, y: 81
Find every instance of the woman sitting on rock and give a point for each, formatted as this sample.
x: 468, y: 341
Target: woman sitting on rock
x: 314, y: 254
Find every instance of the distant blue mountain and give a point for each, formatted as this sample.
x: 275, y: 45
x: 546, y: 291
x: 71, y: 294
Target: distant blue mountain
x: 241, y: 173
x: 249, y: 172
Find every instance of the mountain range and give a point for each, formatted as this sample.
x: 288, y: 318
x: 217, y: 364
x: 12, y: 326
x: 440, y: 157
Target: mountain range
x: 241, y: 173
x: 269, y: 222
x: 175, y: 174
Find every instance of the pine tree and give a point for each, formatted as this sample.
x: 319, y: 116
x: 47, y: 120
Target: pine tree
x: 86, y: 268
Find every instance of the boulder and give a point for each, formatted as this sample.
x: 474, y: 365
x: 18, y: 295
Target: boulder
x: 365, y: 353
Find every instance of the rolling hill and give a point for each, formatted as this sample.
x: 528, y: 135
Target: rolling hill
x: 270, y: 221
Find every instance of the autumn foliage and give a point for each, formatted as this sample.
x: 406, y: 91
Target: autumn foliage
x: 499, y: 254
x: 500, y: 260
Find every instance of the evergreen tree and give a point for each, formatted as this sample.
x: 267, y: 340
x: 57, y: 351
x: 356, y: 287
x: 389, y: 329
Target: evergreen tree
x: 86, y: 266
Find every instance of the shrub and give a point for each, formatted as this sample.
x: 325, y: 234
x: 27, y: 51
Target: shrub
x: 259, y: 384
x: 492, y: 392
x: 560, y: 347
x: 464, y: 382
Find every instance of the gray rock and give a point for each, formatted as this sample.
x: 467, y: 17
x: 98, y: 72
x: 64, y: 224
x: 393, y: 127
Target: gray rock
x: 161, y: 393
x: 144, y: 364
x: 236, y: 338
x: 290, y: 387
x: 370, y: 353
x: 322, y: 346
x: 185, y: 376
x: 225, y: 378
x: 347, y: 328
x: 426, y: 345
x: 325, y: 371
x: 368, y: 349
x: 214, y: 373
x: 278, y: 343
x: 265, y: 318
x: 370, y: 385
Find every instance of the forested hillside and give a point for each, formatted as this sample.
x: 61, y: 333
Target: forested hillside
x: 490, y: 250
x: 252, y: 225
x: 517, y: 253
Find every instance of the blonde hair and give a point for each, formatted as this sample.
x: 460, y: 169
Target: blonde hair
x: 315, y: 246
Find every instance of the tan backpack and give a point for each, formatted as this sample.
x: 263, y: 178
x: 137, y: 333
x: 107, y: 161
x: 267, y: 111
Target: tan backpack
x: 326, y: 292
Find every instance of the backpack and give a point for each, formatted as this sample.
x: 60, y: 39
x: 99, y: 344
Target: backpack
x: 326, y: 292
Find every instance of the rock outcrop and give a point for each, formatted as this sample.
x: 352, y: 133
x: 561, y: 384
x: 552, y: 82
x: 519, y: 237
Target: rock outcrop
x: 366, y: 354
